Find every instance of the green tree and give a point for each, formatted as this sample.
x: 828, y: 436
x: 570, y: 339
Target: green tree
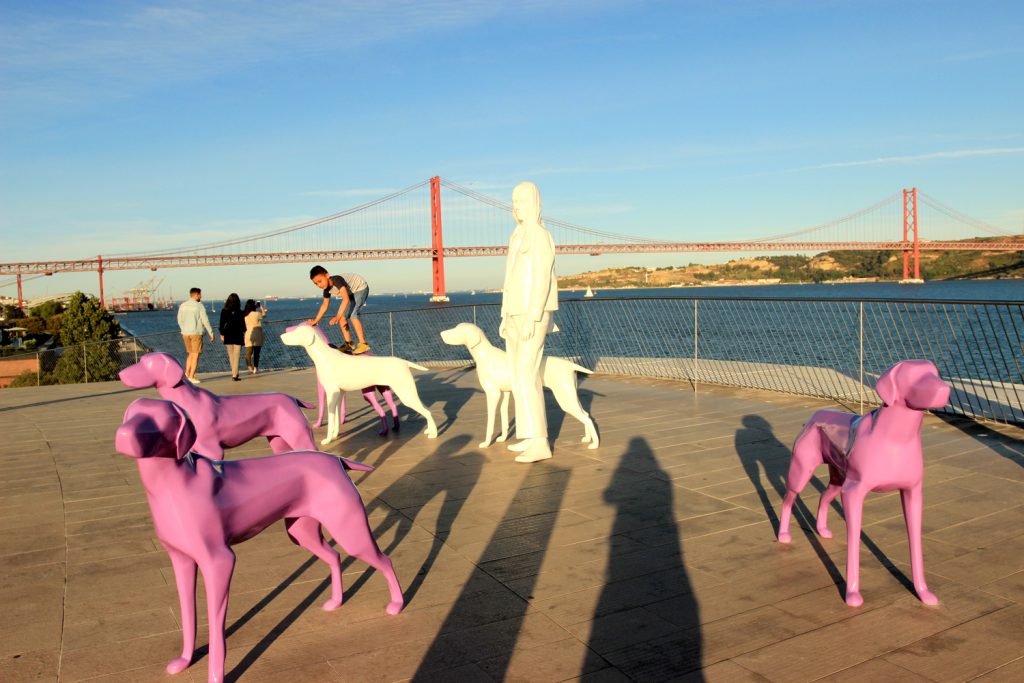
x: 12, y: 312
x: 85, y: 322
x: 47, y: 309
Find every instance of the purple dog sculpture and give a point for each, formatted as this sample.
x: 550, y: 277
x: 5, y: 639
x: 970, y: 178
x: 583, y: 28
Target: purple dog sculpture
x: 224, y: 421
x: 880, y: 451
x: 201, y: 508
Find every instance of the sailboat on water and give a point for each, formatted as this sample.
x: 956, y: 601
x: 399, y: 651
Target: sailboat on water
x: 589, y: 293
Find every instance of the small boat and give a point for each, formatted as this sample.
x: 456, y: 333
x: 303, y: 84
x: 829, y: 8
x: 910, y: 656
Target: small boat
x: 472, y: 292
x: 589, y: 293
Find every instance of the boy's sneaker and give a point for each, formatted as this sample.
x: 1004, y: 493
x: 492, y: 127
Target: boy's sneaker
x: 346, y: 347
x: 363, y: 347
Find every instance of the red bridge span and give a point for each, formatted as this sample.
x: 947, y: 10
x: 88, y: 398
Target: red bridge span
x: 470, y: 224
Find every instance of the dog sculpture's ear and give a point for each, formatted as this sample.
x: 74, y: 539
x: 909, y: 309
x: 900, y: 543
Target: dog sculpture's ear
x: 886, y: 386
x: 353, y: 465
x: 186, y: 436
x: 174, y: 373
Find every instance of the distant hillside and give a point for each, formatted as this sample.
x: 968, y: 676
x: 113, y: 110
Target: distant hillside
x: 825, y: 267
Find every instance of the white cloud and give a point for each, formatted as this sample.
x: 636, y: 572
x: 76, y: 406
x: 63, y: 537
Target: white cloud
x: 880, y: 161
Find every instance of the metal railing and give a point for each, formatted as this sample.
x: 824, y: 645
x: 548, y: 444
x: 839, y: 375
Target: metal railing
x: 832, y: 349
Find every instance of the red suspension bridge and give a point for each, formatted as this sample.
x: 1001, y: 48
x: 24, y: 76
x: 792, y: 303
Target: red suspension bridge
x: 474, y: 224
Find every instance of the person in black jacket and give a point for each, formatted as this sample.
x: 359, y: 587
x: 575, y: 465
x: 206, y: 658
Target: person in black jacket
x: 232, y: 330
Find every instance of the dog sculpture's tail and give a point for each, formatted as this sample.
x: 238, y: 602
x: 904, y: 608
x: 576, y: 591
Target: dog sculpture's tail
x: 580, y: 368
x: 416, y: 367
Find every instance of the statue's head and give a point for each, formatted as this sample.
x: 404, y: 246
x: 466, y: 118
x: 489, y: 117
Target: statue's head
x: 526, y: 204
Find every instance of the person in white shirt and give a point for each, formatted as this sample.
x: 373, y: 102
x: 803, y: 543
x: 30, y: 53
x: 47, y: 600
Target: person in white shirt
x: 192, y: 321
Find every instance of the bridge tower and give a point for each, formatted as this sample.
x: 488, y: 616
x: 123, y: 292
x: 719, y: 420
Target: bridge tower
x: 910, y: 224
x: 437, y: 241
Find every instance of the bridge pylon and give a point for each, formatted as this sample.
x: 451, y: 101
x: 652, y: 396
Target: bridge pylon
x: 437, y: 241
x: 910, y: 224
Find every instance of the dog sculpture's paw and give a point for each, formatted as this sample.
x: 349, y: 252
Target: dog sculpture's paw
x: 784, y: 537
x: 177, y: 665
x: 927, y: 597
x: 332, y: 605
x: 326, y: 440
x: 594, y: 444
x: 824, y: 532
x: 484, y: 444
x: 431, y: 433
x: 854, y: 599
x: 394, y: 607
x: 501, y: 438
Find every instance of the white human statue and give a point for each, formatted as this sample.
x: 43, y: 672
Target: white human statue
x: 527, y: 301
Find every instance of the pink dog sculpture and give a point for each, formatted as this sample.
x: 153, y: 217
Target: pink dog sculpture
x: 224, y: 421
x: 369, y: 395
x: 880, y: 451
x: 201, y: 508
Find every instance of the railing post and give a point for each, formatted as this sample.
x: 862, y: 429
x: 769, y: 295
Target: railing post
x: 391, y: 330
x: 39, y: 369
x: 694, y: 346
x: 85, y: 364
x: 474, y: 314
x: 135, y: 347
x: 860, y: 337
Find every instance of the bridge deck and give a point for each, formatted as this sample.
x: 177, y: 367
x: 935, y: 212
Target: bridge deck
x: 652, y: 558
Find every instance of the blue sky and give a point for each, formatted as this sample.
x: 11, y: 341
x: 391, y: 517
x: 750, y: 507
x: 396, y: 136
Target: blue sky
x: 130, y: 124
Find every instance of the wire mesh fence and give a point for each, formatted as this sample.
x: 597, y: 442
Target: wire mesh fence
x: 831, y: 349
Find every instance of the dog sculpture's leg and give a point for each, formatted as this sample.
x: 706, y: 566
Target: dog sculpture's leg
x: 405, y: 387
x: 385, y: 391
x: 333, y: 402
x: 493, y: 399
x: 305, y: 531
x: 185, y: 578
x: 569, y: 401
x: 321, y: 403
x: 503, y: 400
x: 355, y: 539
x: 827, y: 496
x: 853, y: 505
x: 370, y: 396
x: 217, y: 570
x: 806, y: 457
x: 912, y: 504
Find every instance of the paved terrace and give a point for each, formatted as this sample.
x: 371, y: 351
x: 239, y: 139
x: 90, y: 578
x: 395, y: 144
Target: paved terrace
x: 653, y: 558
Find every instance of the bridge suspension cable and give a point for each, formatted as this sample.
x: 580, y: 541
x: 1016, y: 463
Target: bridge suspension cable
x: 279, y: 231
x: 962, y: 217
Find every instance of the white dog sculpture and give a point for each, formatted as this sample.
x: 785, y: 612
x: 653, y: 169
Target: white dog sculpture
x: 338, y: 372
x: 495, y: 377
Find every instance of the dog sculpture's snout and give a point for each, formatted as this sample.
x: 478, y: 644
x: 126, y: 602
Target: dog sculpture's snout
x: 932, y: 393
x: 135, y: 376
x: 141, y: 437
x: 448, y: 337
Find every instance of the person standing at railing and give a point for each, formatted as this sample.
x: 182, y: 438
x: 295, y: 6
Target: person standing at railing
x: 232, y: 331
x: 254, y: 312
x: 529, y: 297
x: 353, y: 291
x: 192, y: 321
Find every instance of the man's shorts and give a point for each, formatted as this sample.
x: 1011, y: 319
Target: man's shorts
x: 193, y: 342
x: 356, y: 302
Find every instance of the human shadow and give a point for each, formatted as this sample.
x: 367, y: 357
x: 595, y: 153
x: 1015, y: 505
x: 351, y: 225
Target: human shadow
x: 760, y: 450
x: 617, y: 614
x: 410, y: 498
x: 1004, y: 445
x: 482, y: 601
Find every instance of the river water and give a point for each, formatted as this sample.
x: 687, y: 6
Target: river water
x: 149, y: 322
